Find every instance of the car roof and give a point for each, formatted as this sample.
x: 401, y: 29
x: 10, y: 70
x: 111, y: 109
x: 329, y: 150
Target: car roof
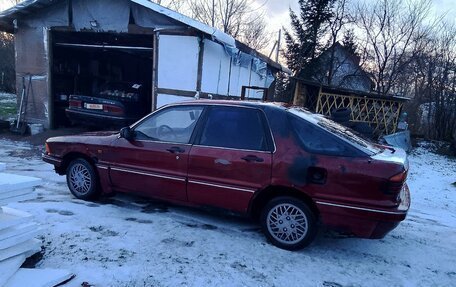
x: 278, y: 105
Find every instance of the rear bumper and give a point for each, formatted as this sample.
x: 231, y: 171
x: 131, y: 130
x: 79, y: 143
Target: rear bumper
x: 96, y: 119
x: 365, y: 222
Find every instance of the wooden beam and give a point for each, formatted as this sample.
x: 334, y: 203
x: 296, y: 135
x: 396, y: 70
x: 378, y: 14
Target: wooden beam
x: 200, y: 64
x: 155, y: 72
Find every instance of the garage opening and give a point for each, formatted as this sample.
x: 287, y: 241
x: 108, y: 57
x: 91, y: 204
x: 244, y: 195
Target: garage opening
x: 108, y: 76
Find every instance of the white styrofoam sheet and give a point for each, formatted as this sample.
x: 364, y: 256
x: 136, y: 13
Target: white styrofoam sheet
x: 178, y: 62
x: 10, y: 217
x: 20, y: 198
x: 216, y: 69
x: 26, y: 248
x: 12, y: 241
x: 9, y: 267
x: 240, y: 76
x: 2, y: 166
x: 163, y: 99
x: 38, y: 277
x: 14, y: 193
x: 9, y: 182
x: 17, y: 230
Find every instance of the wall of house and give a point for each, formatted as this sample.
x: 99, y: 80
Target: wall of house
x: 348, y: 75
x: 346, y: 72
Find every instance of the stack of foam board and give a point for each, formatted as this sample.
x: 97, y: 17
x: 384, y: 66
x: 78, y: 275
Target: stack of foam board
x: 17, y: 236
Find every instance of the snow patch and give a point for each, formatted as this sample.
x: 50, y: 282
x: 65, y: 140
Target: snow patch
x: 132, y: 241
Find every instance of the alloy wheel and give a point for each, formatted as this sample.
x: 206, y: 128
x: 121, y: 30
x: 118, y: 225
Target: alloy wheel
x: 80, y: 179
x: 287, y: 223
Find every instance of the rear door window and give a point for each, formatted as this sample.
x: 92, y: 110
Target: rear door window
x: 315, y: 139
x: 235, y: 127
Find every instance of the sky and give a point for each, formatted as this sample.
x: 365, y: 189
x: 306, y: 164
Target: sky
x: 278, y: 15
x: 277, y: 12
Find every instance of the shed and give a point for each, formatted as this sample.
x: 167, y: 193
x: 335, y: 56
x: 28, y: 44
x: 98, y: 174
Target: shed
x: 380, y: 112
x: 68, y: 47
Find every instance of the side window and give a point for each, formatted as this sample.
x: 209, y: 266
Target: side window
x: 315, y: 139
x: 175, y: 124
x: 232, y: 127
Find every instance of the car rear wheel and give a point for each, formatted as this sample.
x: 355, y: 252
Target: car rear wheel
x: 82, y: 179
x: 288, y: 223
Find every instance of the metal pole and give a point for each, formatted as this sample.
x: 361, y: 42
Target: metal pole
x: 273, y: 48
x: 278, y: 45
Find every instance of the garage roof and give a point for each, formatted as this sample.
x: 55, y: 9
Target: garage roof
x: 27, y: 7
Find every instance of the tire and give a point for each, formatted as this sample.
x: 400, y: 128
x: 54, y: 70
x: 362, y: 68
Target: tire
x: 82, y: 180
x: 341, y: 115
x: 346, y: 124
x: 364, y: 129
x: 280, y: 211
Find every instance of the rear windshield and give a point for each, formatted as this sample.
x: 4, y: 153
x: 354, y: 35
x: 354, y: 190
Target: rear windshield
x: 340, y: 131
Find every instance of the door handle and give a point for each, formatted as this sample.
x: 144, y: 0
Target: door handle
x: 252, y: 158
x: 175, y: 149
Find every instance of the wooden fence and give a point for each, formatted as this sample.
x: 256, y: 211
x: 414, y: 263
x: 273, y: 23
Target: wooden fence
x: 381, y: 114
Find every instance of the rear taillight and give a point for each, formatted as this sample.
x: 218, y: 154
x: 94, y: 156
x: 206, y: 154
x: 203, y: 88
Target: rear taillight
x: 48, y: 150
x: 75, y: 104
x: 400, y: 177
x: 395, y: 183
x: 113, y: 109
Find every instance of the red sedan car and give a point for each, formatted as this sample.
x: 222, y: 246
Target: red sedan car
x: 284, y: 166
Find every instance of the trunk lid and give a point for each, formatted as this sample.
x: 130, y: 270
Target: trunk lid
x: 392, y: 155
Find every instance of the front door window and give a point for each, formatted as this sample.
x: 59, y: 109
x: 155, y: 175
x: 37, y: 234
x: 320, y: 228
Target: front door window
x: 173, y: 125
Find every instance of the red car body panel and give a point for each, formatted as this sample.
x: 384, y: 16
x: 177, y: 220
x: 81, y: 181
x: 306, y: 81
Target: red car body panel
x: 347, y: 192
x: 148, y: 167
x: 220, y: 178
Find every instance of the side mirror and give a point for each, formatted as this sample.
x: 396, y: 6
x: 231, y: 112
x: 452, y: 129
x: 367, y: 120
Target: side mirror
x: 126, y: 133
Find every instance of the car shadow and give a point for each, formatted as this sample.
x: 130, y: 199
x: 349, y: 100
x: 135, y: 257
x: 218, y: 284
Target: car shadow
x: 202, y: 217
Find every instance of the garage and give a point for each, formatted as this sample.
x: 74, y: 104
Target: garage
x: 107, y: 65
x: 102, y: 62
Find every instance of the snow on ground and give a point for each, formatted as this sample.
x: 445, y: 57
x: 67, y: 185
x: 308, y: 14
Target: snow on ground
x: 131, y: 241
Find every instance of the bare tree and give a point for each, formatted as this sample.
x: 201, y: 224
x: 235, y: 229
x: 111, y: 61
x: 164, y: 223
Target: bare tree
x: 390, y: 30
x: 434, y: 78
x: 11, y: 2
x: 337, y: 22
x: 234, y: 17
x: 176, y: 5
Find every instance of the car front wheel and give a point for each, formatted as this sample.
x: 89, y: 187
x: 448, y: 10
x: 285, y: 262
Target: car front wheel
x: 82, y: 179
x: 288, y: 223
